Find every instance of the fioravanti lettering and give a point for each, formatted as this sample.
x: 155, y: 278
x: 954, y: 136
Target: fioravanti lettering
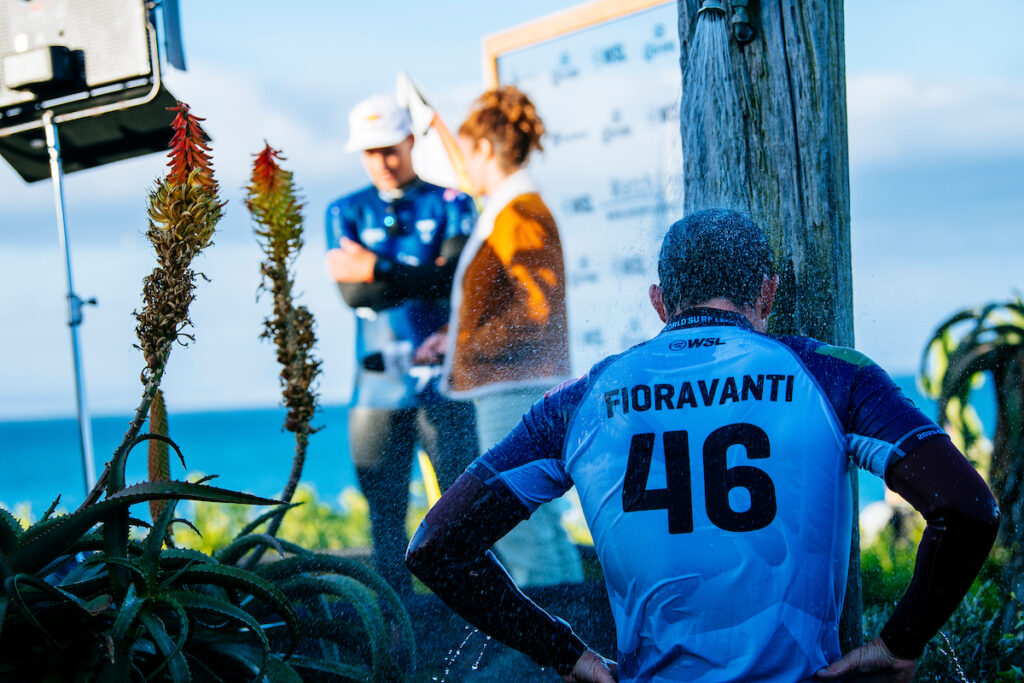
x: 700, y: 393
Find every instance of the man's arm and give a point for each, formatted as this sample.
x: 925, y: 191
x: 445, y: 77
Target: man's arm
x: 369, y: 280
x: 962, y: 520
x: 449, y: 553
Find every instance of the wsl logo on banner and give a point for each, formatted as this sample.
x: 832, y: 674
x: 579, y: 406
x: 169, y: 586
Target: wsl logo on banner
x: 583, y: 203
x: 610, y: 55
x: 659, y: 45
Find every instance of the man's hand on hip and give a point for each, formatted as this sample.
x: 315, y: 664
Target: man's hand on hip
x: 593, y: 668
x: 352, y: 263
x: 870, y: 662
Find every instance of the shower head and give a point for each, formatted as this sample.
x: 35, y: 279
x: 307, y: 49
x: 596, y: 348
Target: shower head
x: 713, y: 7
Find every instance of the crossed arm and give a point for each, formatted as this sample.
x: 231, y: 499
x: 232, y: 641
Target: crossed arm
x: 368, y: 280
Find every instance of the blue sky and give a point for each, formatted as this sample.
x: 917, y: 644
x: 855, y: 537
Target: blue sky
x: 936, y: 113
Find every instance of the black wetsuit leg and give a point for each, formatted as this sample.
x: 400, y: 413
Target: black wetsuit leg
x: 381, y: 443
x: 447, y: 432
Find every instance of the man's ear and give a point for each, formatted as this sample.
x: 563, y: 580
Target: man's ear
x: 658, y: 301
x: 769, y: 286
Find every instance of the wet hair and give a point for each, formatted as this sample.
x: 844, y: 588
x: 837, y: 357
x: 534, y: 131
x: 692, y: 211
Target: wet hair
x: 710, y: 254
x: 507, y: 118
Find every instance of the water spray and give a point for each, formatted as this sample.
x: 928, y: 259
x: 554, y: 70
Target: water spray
x: 712, y: 117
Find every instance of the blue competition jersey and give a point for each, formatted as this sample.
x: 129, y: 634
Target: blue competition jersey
x: 408, y: 230
x: 712, y: 464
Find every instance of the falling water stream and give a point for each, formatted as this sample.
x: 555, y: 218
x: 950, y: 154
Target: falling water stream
x: 714, y: 146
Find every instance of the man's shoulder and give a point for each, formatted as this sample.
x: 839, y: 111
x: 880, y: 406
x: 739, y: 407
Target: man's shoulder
x: 813, y: 350
x: 444, y: 195
x: 360, y: 197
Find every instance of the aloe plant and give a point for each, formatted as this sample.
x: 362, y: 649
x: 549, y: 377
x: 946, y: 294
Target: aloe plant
x: 974, y: 343
x: 82, y: 600
x: 273, y: 203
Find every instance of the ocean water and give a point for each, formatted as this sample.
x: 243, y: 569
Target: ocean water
x: 247, y: 449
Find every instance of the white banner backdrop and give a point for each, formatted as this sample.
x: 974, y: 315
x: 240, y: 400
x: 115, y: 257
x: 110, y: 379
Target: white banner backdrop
x: 611, y: 171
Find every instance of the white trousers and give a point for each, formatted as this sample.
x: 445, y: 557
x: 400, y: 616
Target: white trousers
x: 537, y: 552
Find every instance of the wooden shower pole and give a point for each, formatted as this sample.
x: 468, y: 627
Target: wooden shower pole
x: 791, y: 83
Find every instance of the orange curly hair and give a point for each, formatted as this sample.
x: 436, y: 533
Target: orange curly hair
x: 508, y: 119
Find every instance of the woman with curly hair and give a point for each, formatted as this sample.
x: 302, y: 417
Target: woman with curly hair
x: 508, y: 339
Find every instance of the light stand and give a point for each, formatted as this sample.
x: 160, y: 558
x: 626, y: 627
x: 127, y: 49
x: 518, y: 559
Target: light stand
x: 75, y: 303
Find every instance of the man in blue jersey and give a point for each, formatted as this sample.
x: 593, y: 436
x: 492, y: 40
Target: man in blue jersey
x: 712, y: 465
x: 392, y: 249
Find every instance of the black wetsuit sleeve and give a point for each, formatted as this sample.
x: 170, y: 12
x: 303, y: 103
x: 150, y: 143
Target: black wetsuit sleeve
x: 450, y: 554
x: 962, y: 520
x: 395, y: 282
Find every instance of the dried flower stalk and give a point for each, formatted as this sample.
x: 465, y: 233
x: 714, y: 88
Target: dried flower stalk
x: 277, y: 213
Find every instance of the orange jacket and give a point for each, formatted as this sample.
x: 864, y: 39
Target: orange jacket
x: 511, y: 327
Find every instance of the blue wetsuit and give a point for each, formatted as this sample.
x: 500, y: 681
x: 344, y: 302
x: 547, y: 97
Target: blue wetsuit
x: 712, y: 464
x: 407, y: 301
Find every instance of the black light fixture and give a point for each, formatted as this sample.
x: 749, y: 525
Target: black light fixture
x: 91, y: 68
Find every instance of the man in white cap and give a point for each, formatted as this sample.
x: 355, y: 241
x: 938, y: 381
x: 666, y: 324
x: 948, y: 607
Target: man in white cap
x: 392, y: 249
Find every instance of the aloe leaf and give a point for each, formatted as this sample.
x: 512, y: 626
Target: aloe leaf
x: 155, y: 540
x: 10, y: 529
x: 198, y: 601
x: 320, y: 562
x: 168, y: 648
x: 37, y: 545
x: 240, y: 579
x: 128, y: 564
x: 49, y: 510
x: 345, y: 671
x: 183, y: 632
x: 190, y: 525
x: 131, y: 605
x: 279, y: 671
x: 265, y: 517
x: 162, y: 439
x: 5, y: 601
x: 236, y: 550
x: 365, y: 604
x: 11, y: 586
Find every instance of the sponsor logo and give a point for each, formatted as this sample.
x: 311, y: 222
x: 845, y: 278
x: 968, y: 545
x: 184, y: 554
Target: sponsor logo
x: 564, y: 71
x: 635, y: 187
x: 616, y: 129
x: 426, y: 229
x: 665, y: 113
x: 659, y: 45
x: 700, y: 342
x: 593, y: 337
x: 581, y: 204
x: 373, y: 235
x: 558, y: 138
x: 610, y: 54
x: 632, y: 265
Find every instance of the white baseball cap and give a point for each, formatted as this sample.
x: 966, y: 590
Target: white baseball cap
x: 377, y: 122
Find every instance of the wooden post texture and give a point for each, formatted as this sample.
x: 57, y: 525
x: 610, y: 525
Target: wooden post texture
x: 782, y: 157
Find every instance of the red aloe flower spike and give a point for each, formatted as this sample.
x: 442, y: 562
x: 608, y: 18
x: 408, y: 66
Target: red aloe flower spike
x: 265, y: 170
x: 189, y: 150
